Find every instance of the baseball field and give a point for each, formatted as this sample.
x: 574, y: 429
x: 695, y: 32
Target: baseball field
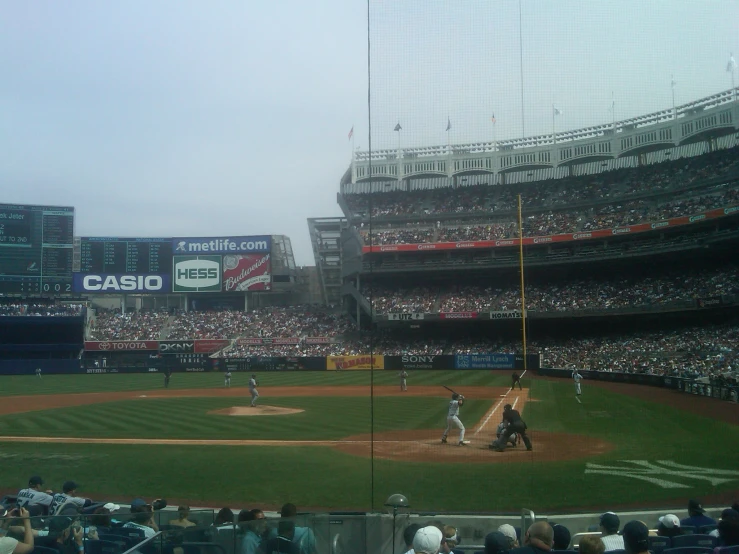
x: 336, y: 440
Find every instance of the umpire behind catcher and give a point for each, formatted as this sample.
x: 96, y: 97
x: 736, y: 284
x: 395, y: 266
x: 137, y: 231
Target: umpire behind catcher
x: 515, y: 425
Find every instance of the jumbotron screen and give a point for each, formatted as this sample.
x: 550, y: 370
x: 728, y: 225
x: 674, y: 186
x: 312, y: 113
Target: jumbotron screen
x: 36, y: 246
x: 114, y: 255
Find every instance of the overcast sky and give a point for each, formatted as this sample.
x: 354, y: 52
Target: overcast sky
x: 177, y: 118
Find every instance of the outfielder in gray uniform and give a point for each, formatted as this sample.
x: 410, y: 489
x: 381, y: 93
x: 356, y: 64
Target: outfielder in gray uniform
x: 403, y: 381
x: 577, y: 377
x: 227, y: 379
x: 253, y: 390
x: 452, y: 419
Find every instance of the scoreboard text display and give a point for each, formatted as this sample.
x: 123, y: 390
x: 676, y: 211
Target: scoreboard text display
x: 36, y: 247
x: 119, y: 265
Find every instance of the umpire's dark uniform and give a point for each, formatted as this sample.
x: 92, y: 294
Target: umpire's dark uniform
x: 515, y: 425
x: 516, y: 379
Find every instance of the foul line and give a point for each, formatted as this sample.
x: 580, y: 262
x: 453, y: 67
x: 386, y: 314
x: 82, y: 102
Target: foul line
x: 482, y: 425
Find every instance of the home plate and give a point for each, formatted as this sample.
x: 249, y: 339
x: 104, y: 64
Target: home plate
x: 256, y: 411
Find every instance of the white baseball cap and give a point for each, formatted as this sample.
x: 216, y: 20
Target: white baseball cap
x: 670, y: 521
x: 509, y: 531
x: 427, y: 540
x: 112, y: 507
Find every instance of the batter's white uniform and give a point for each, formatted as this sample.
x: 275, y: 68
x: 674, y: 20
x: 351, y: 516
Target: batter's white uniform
x: 254, y: 391
x: 577, y: 377
x: 227, y: 379
x: 452, y: 419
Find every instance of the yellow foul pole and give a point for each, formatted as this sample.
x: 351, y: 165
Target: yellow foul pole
x: 523, y: 297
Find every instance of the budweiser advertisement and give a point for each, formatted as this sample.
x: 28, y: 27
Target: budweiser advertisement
x: 122, y: 345
x: 598, y: 234
x: 247, y: 272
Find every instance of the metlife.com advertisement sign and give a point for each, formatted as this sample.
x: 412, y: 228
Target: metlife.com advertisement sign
x: 221, y: 245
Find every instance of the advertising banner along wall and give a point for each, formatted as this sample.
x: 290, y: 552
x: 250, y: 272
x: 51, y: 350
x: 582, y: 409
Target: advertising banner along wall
x: 354, y: 362
x: 222, y: 245
x: 119, y: 283
x: 121, y: 345
x: 247, y: 272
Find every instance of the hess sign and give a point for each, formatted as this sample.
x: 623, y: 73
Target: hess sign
x: 196, y: 273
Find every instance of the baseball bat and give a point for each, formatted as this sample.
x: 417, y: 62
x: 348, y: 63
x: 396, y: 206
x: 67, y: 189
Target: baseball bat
x: 451, y: 390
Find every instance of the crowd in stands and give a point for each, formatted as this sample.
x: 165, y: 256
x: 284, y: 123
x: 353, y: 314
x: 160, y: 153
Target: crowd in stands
x: 114, y: 325
x: 602, y: 187
x: 608, y: 216
x: 575, y: 294
x: 67, y: 524
x: 272, y: 322
x: 64, y: 523
x: 39, y: 309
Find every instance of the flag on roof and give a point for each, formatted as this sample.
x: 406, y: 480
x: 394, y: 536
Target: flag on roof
x: 493, y: 119
x: 397, y: 127
x: 351, y: 133
x: 448, y: 123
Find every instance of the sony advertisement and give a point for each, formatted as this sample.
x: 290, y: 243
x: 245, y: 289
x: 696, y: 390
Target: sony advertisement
x: 106, y: 283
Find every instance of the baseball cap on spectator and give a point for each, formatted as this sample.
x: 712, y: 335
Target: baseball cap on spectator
x: 138, y: 504
x: 427, y: 540
x: 496, y: 543
x: 695, y: 506
x: 610, y: 522
x: 562, y: 537
x: 636, y: 536
x: 510, y: 533
x: 35, y: 480
x: 730, y: 514
x: 69, y: 486
x: 59, y: 524
x: 669, y: 521
x: 111, y: 507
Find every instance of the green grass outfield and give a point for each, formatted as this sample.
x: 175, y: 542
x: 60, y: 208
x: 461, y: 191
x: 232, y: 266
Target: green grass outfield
x: 318, y: 476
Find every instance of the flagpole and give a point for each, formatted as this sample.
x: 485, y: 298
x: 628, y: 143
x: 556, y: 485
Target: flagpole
x: 672, y: 84
x: 554, y: 137
x: 613, y: 110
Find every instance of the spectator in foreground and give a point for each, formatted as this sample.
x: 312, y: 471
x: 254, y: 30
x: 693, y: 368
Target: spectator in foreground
x: 696, y: 516
x: 427, y: 540
x: 669, y: 526
x: 224, y: 519
x: 729, y: 514
x: 252, y: 537
x: 450, y: 539
x: 728, y: 531
x: 591, y: 544
x: 538, y: 539
x: 609, y: 524
x: 636, y: 538
x: 562, y: 537
x: 283, y: 542
x: 10, y: 545
x: 408, y: 535
x: 302, y: 536
x: 143, y: 518
x: 183, y: 512
x: 496, y: 543
x: 510, y: 533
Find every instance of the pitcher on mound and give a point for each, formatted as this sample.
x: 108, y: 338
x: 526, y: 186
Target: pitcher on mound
x: 452, y: 419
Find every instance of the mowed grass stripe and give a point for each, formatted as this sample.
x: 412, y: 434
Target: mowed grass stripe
x: 188, y: 418
x: 15, y: 385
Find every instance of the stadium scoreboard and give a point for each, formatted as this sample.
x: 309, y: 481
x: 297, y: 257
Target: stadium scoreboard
x: 114, y: 255
x: 36, y: 249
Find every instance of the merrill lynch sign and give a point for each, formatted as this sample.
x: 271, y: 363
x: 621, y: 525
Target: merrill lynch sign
x: 404, y: 317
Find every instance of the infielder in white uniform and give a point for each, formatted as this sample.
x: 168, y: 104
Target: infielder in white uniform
x: 403, y: 380
x: 452, y: 418
x: 38, y: 372
x: 253, y: 390
x: 577, y: 377
x: 227, y: 379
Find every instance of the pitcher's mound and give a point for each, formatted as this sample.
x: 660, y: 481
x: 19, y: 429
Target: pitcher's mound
x: 256, y: 411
